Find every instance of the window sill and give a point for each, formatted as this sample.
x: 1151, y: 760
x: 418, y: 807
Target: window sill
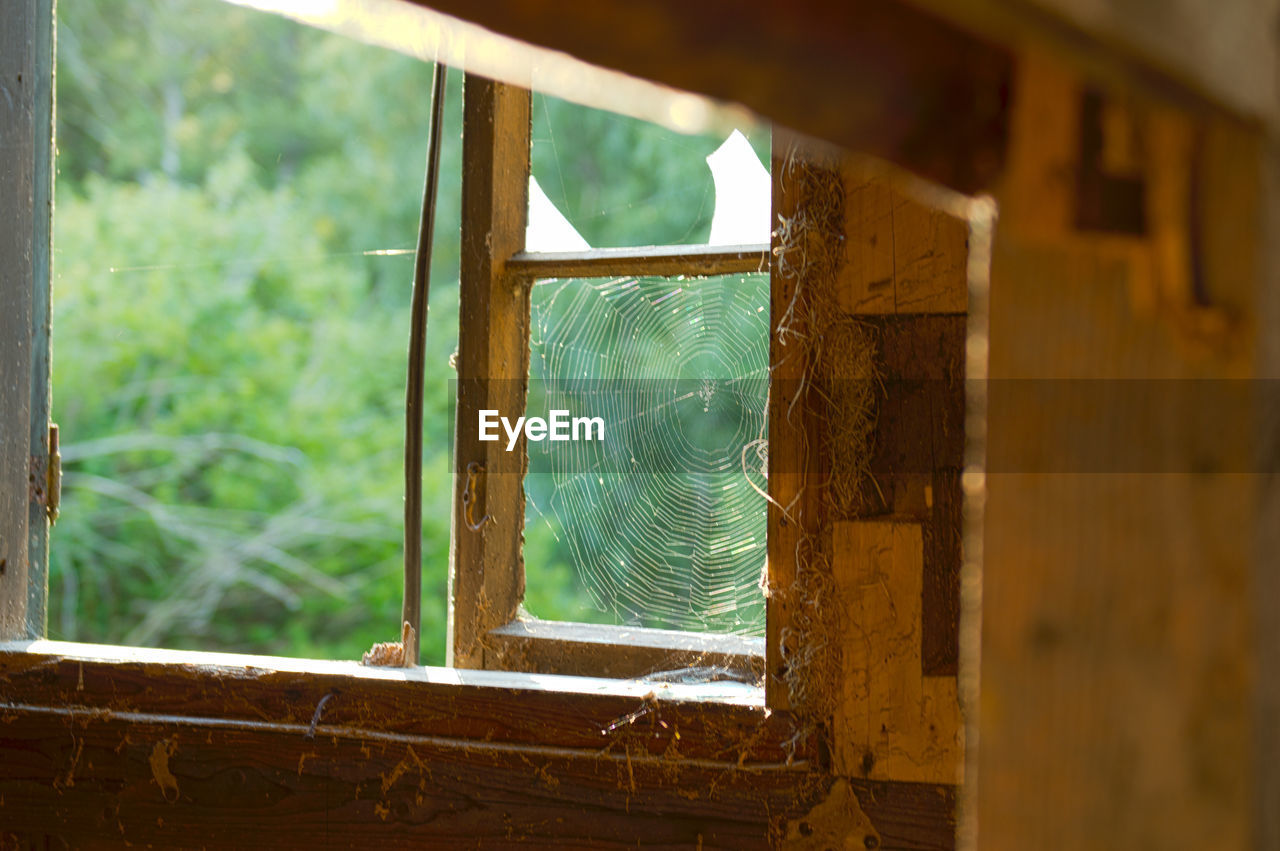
x: 105, y: 743
x: 345, y: 699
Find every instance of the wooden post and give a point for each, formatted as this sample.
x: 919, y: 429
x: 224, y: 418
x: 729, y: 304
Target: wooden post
x: 896, y: 554
x: 26, y: 147
x: 793, y: 445
x: 897, y: 282
x: 487, y: 574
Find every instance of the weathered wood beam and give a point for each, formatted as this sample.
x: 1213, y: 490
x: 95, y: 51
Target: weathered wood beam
x: 160, y: 747
x: 897, y: 722
x: 91, y: 781
x: 151, y: 780
x: 523, y: 710
x: 793, y: 512
x: 917, y: 458
x: 493, y: 367
x: 26, y: 147
x: 874, y: 76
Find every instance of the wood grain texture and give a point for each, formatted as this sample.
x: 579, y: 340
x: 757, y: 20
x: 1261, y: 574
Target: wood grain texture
x: 516, y: 710
x: 102, y: 782
x: 41, y: 319
x: 901, y: 257
x: 943, y: 556
x: 185, y: 750
x: 894, y: 722
x: 917, y: 457
x: 1120, y: 702
x: 915, y: 816
x: 24, y: 253
x: 929, y: 260
x: 141, y: 781
x: 493, y: 367
x: 1123, y: 614
x: 922, y: 370
x: 905, y: 277
x: 867, y: 278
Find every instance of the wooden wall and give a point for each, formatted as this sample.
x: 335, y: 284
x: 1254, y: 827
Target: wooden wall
x: 1121, y: 701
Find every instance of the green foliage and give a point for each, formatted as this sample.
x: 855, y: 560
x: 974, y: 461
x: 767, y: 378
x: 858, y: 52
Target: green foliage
x: 234, y: 421
x: 229, y: 364
x: 229, y: 359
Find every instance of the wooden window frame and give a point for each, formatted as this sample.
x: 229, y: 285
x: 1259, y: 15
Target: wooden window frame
x: 26, y: 140
x: 163, y: 747
x: 487, y: 582
x: 479, y: 728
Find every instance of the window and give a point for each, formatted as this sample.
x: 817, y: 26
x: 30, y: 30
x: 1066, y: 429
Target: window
x: 240, y: 494
x: 218, y: 232
x: 160, y: 747
x: 623, y: 514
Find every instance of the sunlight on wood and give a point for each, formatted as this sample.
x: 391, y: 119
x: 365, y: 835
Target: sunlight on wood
x: 431, y: 36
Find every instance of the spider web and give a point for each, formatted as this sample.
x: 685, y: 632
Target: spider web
x: 659, y: 522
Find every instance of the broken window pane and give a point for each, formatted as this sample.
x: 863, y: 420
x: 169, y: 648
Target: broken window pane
x: 625, y: 182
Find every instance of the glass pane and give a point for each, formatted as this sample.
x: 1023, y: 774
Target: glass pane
x: 620, y: 181
x: 238, y: 202
x: 659, y: 519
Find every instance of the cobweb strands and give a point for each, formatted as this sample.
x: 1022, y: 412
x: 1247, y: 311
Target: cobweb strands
x: 659, y: 521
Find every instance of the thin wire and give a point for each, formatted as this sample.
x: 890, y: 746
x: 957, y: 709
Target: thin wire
x: 249, y: 262
x: 411, y: 612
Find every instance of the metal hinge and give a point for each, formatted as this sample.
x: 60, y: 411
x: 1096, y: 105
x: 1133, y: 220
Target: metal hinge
x: 54, y: 502
x: 45, y: 479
